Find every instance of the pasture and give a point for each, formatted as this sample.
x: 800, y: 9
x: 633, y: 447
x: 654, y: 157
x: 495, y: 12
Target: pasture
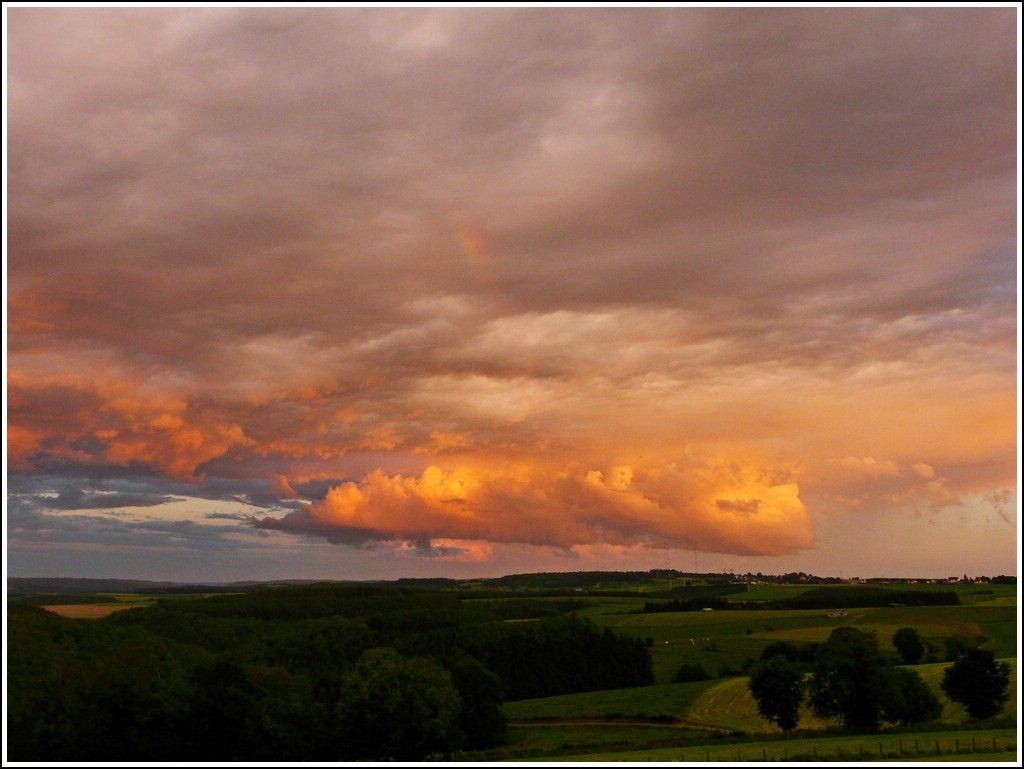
x: 725, y: 642
x: 717, y: 720
x: 725, y: 705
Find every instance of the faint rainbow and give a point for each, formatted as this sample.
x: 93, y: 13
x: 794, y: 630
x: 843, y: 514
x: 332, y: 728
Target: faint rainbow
x: 474, y: 251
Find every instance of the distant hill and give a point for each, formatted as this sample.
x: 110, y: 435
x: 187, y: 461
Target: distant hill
x: 560, y: 581
x: 70, y: 585
x: 82, y: 585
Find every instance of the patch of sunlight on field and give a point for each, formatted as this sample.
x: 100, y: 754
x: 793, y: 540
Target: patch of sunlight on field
x: 953, y: 712
x: 655, y: 701
x: 729, y: 705
x: 89, y: 610
x: 987, y: 602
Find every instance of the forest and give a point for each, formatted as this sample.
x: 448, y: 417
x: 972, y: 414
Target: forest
x: 314, y: 673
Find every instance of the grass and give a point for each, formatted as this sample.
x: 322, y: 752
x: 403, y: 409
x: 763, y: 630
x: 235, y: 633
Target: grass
x: 721, y: 642
x: 557, y: 728
x: 729, y: 705
x: 603, y: 606
x: 948, y: 746
x: 540, y: 739
x: 723, y: 704
x: 660, y: 701
x: 724, y: 641
x: 953, y: 712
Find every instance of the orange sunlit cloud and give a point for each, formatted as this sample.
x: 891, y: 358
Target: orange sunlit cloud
x: 720, y: 508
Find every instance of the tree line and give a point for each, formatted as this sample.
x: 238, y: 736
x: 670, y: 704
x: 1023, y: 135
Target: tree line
x: 699, y: 598
x: 847, y: 680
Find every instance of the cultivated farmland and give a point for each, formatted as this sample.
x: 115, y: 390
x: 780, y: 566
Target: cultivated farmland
x: 718, y: 717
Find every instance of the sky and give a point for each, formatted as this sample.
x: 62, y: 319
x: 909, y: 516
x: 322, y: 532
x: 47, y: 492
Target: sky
x: 379, y: 292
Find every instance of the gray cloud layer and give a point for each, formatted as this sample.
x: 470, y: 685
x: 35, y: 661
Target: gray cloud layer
x: 256, y: 248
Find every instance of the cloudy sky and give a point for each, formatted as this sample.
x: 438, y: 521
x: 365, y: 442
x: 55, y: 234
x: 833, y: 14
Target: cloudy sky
x: 359, y: 293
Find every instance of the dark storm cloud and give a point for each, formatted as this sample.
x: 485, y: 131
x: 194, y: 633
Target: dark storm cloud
x: 77, y: 499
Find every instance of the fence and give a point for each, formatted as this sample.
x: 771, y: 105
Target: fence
x: 851, y: 750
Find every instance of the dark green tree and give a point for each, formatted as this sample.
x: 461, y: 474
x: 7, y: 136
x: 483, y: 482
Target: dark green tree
x: 397, y: 708
x: 849, y: 680
x: 222, y: 722
x: 481, y: 720
x: 909, y: 644
x: 794, y: 652
x: 909, y: 699
x: 978, y: 682
x: 777, y: 685
x: 956, y: 646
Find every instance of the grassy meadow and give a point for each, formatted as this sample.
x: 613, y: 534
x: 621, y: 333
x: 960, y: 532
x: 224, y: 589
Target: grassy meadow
x: 717, y: 720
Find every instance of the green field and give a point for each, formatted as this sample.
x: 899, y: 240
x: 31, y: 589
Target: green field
x: 730, y: 639
x: 717, y: 720
x: 661, y: 701
x: 725, y: 705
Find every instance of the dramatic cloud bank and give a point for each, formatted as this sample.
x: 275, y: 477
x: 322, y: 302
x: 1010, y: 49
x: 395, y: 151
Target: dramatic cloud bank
x: 362, y: 292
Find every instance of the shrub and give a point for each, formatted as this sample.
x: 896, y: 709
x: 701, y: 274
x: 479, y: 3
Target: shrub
x: 978, y: 682
x: 909, y: 645
x: 688, y: 673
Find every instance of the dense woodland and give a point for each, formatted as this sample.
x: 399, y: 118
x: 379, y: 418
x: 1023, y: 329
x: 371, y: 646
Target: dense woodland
x: 315, y: 673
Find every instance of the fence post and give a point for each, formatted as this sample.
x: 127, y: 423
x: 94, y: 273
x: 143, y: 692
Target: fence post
x: 936, y: 747
x: 901, y: 746
x: 957, y: 744
x: 880, y: 750
x: 916, y: 750
x: 764, y: 754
